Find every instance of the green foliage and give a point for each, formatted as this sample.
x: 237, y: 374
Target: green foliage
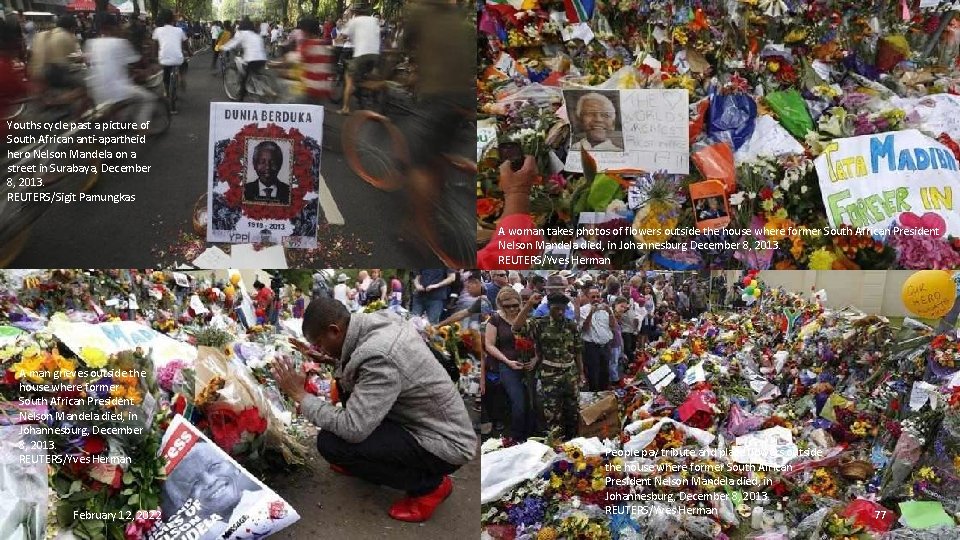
x: 140, y: 490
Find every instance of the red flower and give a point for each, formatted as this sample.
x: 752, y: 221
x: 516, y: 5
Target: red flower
x: 9, y: 378
x: 523, y: 344
x: 766, y: 193
x: 486, y: 207
x: 646, y: 70
x: 232, y: 169
x: 94, y: 444
x: 179, y: 404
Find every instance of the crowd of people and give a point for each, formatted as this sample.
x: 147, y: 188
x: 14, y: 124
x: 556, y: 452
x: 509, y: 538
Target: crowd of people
x: 547, y: 337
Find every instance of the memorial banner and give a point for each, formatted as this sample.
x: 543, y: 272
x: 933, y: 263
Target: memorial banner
x: 870, y: 180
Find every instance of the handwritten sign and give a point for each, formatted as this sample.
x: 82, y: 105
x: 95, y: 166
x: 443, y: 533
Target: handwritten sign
x: 486, y: 134
x: 929, y: 293
x: 868, y: 181
x: 112, y: 338
x: 646, y: 130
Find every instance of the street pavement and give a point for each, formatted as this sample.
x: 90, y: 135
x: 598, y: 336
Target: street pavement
x: 336, y: 506
x: 151, y: 231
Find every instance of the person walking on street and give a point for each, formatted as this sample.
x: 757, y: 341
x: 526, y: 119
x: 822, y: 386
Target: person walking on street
x: 500, y: 343
x: 559, y: 362
x: 597, y: 323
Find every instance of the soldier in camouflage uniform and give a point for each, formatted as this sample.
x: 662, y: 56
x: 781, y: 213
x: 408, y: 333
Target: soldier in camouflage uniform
x: 559, y: 362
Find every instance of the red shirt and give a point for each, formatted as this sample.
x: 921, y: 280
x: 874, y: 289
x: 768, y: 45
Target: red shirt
x: 13, y: 89
x: 316, y: 60
x: 264, y: 298
x: 495, y: 256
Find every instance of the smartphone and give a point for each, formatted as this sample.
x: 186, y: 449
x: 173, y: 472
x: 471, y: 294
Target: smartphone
x: 512, y: 152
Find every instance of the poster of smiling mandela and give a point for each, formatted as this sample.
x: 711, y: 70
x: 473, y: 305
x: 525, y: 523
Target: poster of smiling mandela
x: 264, y: 182
x: 208, y: 495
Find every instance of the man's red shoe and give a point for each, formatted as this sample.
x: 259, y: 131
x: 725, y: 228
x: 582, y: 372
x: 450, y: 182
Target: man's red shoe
x: 339, y: 470
x: 418, y: 509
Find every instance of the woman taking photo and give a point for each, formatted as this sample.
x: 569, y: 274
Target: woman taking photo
x: 500, y: 344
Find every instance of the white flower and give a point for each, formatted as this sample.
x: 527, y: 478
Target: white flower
x: 737, y: 198
x: 752, y: 195
x: 803, y: 189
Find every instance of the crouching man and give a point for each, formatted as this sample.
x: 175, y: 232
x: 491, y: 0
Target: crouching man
x: 403, y: 423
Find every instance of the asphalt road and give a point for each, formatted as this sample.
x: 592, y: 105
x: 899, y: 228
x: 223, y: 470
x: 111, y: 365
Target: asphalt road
x: 156, y: 229
x: 335, y: 506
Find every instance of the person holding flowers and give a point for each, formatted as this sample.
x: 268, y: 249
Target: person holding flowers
x: 559, y: 359
x: 500, y: 343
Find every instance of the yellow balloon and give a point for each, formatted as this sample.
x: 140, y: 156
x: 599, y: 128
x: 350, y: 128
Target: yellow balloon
x: 753, y: 283
x: 929, y: 293
x: 235, y: 279
x: 756, y: 292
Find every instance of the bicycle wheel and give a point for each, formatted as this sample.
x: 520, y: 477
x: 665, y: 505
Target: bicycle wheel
x: 373, y: 146
x: 231, y: 83
x: 173, y: 87
x: 15, y: 111
x: 444, y: 212
x: 160, y: 120
x: 336, y: 93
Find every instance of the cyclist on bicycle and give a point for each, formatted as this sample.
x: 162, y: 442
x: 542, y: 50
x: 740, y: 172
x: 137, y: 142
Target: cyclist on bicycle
x: 109, y: 79
x: 54, y: 51
x: 14, y: 87
x: 173, y: 48
x: 223, y: 37
x: 445, y: 85
x: 364, y: 32
x: 254, y: 54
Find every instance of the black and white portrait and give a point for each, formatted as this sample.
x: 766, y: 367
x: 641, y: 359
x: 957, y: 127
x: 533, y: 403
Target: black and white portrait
x: 596, y: 120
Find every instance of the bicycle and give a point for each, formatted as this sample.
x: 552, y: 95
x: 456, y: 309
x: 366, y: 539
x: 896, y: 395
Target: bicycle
x: 443, y: 211
x: 261, y: 87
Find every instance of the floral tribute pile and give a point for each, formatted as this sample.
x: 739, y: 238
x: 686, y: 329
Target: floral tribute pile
x: 102, y: 434
x: 771, y: 85
x: 872, y: 409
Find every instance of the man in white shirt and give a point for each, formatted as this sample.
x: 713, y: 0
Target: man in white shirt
x: 341, y: 292
x: 108, y: 78
x: 364, y: 32
x: 172, y: 49
x: 596, y: 331
x: 254, y: 53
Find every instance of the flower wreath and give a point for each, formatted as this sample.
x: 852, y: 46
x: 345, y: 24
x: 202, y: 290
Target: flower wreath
x: 232, y: 167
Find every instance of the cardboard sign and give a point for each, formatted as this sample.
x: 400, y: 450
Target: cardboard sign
x: 869, y: 181
x: 710, y: 207
x: 264, y: 178
x: 632, y: 130
x: 115, y: 337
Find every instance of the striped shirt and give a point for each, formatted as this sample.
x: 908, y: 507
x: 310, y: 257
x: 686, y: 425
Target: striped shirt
x: 316, y: 60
